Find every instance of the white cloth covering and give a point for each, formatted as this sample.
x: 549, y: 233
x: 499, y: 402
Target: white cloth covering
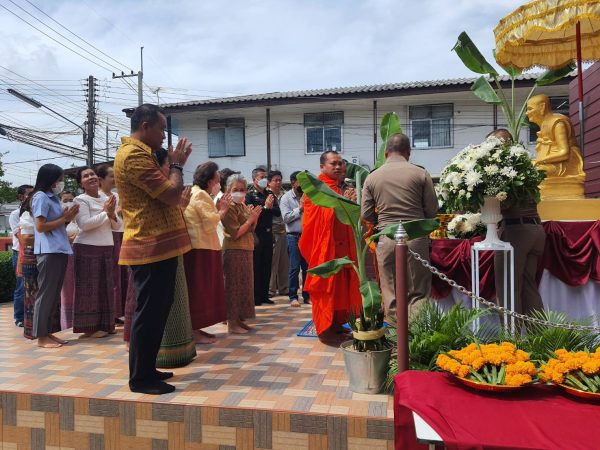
x: 578, y: 303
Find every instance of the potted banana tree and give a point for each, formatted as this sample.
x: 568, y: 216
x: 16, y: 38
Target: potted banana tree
x: 367, y: 355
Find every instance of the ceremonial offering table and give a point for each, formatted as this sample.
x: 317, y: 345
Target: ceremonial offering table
x: 568, y: 274
x: 535, y: 417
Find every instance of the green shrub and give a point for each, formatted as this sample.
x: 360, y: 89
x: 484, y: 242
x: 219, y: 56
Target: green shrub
x: 7, y: 277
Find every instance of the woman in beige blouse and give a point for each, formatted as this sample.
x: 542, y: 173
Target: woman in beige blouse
x: 204, y: 263
x: 238, y: 246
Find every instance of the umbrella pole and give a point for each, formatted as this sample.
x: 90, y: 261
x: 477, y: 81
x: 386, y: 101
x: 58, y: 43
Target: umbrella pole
x: 580, y: 87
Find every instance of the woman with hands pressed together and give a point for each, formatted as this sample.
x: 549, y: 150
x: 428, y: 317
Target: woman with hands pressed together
x: 239, y: 223
x: 51, y: 248
x: 204, y: 263
x: 93, y: 313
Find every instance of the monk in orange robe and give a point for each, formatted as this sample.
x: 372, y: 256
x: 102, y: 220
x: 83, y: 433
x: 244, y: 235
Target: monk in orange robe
x: 325, y: 238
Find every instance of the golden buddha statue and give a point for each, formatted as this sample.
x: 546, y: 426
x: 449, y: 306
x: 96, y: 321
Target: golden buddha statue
x: 557, y: 152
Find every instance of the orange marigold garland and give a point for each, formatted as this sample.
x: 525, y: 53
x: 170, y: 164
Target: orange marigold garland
x: 579, y: 370
x: 495, y: 364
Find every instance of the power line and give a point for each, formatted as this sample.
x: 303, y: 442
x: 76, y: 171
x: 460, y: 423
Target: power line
x: 79, y: 37
x: 57, y: 41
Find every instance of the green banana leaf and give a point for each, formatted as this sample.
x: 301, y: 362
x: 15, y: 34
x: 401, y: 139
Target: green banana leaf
x: 553, y: 75
x: 390, y: 124
x: 414, y: 228
x: 371, y: 298
x: 471, y: 57
x: 484, y: 90
x: 330, y: 267
x: 353, y: 169
x: 512, y: 71
x: 320, y: 194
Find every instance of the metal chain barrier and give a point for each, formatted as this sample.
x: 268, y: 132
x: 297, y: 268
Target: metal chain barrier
x: 500, y: 309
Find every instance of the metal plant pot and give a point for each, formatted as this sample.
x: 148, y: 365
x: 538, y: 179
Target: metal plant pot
x: 366, y: 371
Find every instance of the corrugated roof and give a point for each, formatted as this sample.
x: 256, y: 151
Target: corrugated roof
x: 338, y: 91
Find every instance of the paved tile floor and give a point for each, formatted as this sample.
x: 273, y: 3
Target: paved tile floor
x: 269, y: 369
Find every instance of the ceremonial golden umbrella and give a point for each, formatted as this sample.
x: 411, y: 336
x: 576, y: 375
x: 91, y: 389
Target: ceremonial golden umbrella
x: 550, y: 33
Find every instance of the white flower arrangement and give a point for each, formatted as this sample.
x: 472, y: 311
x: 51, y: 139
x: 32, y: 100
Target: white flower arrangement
x: 466, y: 226
x: 493, y: 168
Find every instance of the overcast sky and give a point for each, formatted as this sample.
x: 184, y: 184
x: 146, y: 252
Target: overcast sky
x: 209, y: 48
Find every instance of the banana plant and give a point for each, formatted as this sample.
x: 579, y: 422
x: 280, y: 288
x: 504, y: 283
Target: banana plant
x: 348, y: 212
x: 472, y: 58
x: 390, y: 124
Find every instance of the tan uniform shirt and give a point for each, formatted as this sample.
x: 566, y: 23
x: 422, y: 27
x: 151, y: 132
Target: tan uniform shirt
x: 398, y: 190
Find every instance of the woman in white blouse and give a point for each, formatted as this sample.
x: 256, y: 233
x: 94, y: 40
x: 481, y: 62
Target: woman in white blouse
x: 93, y: 309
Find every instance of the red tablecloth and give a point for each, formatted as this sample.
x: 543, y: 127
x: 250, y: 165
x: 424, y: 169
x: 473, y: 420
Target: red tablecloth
x: 537, y: 417
x: 572, y: 254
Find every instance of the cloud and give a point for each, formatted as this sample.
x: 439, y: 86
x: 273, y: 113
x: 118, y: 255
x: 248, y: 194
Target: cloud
x: 215, y: 48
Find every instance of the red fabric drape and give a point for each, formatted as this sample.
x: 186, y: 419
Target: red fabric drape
x: 572, y: 254
x: 537, y: 417
x: 453, y: 257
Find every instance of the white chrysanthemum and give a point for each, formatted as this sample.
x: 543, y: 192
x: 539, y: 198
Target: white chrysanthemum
x: 462, y: 192
x: 508, y: 172
x: 472, y: 178
x: 501, y: 196
x: 517, y: 150
x: 491, y: 169
x: 469, y: 195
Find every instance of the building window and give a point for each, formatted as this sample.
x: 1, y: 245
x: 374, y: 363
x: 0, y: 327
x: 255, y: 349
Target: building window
x: 559, y: 105
x: 323, y: 131
x: 431, y: 125
x: 226, y: 138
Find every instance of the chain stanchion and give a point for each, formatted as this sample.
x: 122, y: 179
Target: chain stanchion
x: 401, y: 289
x: 500, y: 309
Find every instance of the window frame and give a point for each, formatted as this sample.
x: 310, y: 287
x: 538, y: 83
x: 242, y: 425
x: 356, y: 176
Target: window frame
x: 224, y: 124
x: 323, y: 127
x: 431, y: 120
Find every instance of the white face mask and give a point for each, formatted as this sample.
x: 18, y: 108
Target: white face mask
x: 60, y: 186
x: 66, y: 205
x: 238, y: 197
x: 263, y: 183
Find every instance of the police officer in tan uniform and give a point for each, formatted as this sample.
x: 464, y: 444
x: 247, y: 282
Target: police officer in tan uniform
x: 397, y: 191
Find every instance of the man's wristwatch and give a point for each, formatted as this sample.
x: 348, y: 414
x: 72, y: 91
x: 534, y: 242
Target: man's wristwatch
x: 176, y: 166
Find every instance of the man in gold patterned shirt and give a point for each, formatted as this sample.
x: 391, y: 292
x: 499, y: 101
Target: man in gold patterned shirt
x: 155, y: 235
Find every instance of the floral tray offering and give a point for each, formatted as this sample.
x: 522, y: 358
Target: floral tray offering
x: 491, y: 367
x: 577, y: 372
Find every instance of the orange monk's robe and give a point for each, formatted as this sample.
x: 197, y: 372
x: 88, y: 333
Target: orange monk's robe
x: 325, y: 238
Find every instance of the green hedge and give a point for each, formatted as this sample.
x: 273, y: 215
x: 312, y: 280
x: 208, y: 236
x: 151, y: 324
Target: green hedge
x: 7, y: 277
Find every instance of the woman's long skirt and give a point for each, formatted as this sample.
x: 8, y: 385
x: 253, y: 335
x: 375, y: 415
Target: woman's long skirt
x: 66, y: 295
x: 178, y: 348
x: 120, y: 277
x: 206, y: 287
x: 239, y: 284
x: 93, y: 295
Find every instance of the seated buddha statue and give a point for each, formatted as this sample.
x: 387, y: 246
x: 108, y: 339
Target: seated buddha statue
x: 557, y: 152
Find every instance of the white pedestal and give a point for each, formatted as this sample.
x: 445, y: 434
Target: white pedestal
x: 508, y: 281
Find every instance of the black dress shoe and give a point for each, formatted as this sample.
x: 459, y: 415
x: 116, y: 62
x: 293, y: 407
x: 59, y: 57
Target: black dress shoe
x: 19, y: 323
x: 152, y: 387
x: 163, y: 375
x: 257, y: 303
x: 269, y: 302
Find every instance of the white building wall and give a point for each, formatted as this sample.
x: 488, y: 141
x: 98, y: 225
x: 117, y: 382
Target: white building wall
x: 473, y: 120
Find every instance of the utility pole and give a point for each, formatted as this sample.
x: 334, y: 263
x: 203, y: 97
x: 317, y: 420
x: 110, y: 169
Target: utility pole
x: 107, y: 130
x: 141, y: 78
x: 139, y: 75
x: 91, y: 119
